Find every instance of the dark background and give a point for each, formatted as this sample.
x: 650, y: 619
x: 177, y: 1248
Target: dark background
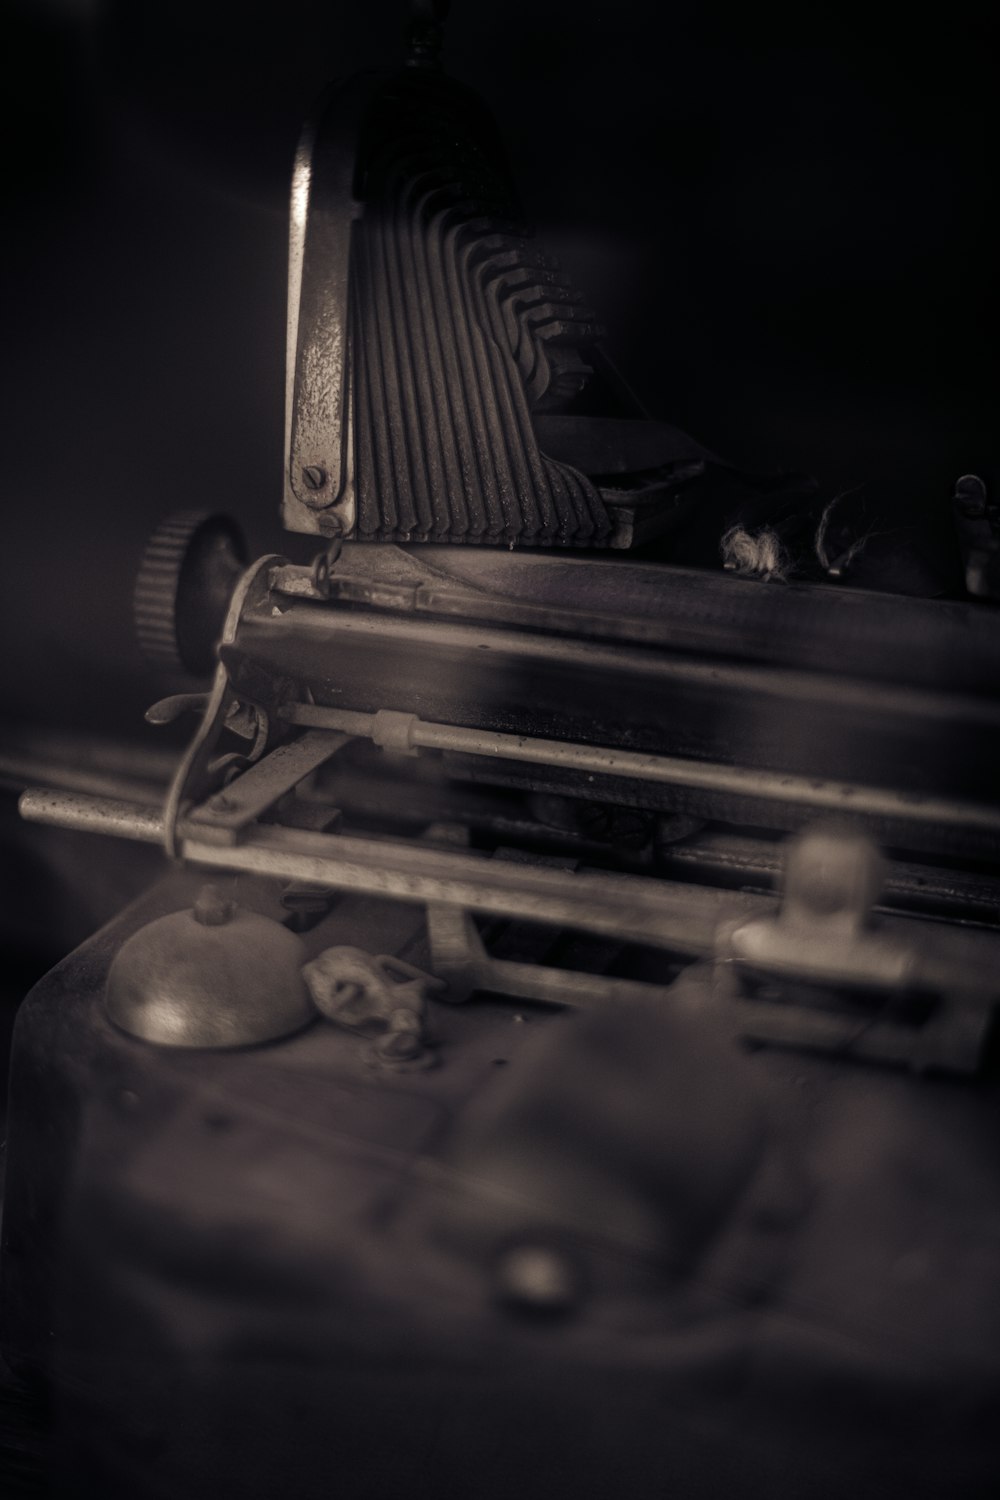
x: 781, y: 215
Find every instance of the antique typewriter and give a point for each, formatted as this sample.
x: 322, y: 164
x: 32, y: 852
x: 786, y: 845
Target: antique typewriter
x: 559, y: 1060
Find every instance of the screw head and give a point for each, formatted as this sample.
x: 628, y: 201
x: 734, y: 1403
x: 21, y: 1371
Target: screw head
x: 314, y: 476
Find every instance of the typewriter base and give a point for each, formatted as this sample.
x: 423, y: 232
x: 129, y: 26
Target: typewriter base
x: 220, y: 1262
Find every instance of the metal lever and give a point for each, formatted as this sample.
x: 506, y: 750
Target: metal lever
x: 166, y: 710
x: 460, y: 958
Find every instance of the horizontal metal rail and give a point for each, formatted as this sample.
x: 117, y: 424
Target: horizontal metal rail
x: 680, y: 918
x: 407, y: 732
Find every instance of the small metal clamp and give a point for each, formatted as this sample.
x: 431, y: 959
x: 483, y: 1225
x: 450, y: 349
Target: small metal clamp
x: 854, y: 984
x: 379, y: 997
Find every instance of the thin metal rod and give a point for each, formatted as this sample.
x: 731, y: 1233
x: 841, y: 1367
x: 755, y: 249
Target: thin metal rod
x: 110, y: 815
x: 775, y: 786
x: 677, y: 917
x: 572, y: 987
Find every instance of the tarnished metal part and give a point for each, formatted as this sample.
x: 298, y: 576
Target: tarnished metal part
x: 460, y: 329
x: 711, y: 695
x: 86, y: 813
x: 948, y: 646
x: 382, y: 997
x: 690, y: 669
x: 169, y: 710
x: 214, y: 976
x: 197, y: 770
x: 824, y: 933
x: 321, y: 572
x: 929, y: 993
x: 743, y: 862
x: 827, y: 931
x: 411, y: 733
x: 681, y: 918
x: 926, y: 994
x: 430, y: 341
x: 947, y: 1036
x: 319, y: 471
x: 345, y: 629
x: 229, y: 813
x: 668, y: 914
x: 246, y: 720
x: 953, y: 968
x: 460, y: 957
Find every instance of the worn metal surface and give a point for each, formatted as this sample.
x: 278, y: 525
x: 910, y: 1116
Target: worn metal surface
x: 89, y: 814
x: 691, y: 920
x: 927, y: 998
x: 669, y: 915
x: 379, y: 996
x: 696, y: 668
x: 227, y: 814
x: 948, y: 646
x: 806, y: 792
x: 927, y: 994
x: 684, y: 728
x: 198, y: 769
x: 319, y: 471
x: 435, y: 352
x: 213, y: 976
x: 755, y: 863
x: 136, y: 775
x: 832, y: 879
x: 460, y: 957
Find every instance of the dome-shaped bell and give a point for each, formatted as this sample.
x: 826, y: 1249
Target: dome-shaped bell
x: 213, y: 976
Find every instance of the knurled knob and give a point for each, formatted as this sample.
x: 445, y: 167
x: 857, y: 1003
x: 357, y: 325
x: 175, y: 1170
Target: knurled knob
x: 186, y: 578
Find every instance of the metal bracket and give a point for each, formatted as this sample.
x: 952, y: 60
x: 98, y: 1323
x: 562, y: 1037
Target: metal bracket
x: 820, y: 943
x: 460, y: 958
x: 229, y: 813
x: 380, y: 997
x: 318, y: 448
x: 916, y: 1004
x: 197, y: 770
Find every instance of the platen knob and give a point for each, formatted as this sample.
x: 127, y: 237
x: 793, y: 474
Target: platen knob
x: 186, y: 578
